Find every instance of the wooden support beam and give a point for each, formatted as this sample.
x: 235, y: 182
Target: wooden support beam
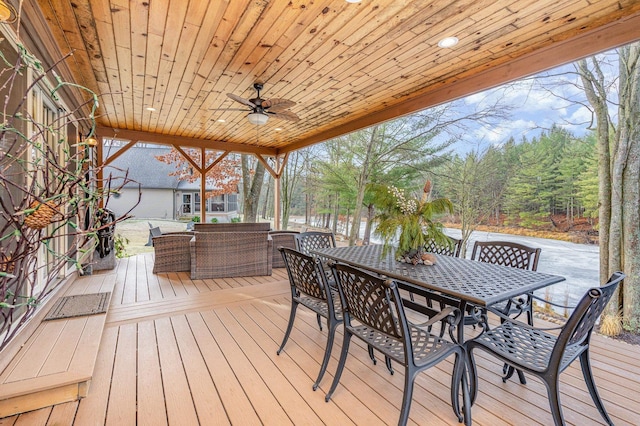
x: 616, y: 33
x: 187, y: 157
x: 186, y: 141
x: 280, y: 163
x: 219, y: 159
x: 116, y: 154
x: 267, y: 166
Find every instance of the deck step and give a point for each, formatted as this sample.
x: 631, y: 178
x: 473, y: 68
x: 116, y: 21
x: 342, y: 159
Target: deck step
x: 56, y: 363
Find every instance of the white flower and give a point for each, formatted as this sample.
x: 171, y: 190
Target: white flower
x: 406, y: 206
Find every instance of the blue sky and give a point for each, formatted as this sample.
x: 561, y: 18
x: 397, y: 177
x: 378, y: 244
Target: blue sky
x: 535, y: 104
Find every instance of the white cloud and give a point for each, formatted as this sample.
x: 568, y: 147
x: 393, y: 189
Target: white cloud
x: 500, y: 133
x: 535, y: 105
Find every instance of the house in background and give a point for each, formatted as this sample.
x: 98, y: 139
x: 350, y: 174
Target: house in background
x: 162, y: 195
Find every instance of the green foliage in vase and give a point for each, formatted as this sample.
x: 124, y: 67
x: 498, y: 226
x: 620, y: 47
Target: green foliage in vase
x: 411, y: 220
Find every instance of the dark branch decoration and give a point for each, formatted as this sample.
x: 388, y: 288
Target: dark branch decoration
x: 52, y: 202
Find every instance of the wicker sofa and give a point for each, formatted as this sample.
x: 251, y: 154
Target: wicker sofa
x: 172, y: 252
x: 230, y: 254
x: 282, y: 239
x: 232, y: 227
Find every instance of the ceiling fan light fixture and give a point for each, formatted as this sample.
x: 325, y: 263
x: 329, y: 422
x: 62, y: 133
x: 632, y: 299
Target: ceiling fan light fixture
x: 258, y: 118
x: 8, y: 13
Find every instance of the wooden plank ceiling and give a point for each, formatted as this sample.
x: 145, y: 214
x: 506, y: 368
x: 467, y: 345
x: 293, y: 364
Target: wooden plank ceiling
x: 346, y: 66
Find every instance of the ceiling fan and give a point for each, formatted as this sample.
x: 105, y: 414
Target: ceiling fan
x: 261, y: 109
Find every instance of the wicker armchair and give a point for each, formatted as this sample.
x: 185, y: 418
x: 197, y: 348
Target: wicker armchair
x: 172, y: 253
x: 282, y: 239
x: 230, y: 254
x: 232, y: 227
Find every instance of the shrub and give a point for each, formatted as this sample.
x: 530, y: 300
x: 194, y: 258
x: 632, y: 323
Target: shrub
x: 235, y: 220
x: 533, y: 220
x: 611, y: 325
x: 119, y: 243
x: 214, y: 220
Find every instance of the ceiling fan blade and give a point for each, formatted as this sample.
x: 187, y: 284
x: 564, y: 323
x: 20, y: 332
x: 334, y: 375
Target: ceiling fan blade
x: 230, y: 109
x: 241, y: 100
x: 277, y: 105
x: 285, y: 115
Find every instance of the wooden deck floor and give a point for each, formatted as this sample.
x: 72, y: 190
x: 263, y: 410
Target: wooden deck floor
x: 182, y: 352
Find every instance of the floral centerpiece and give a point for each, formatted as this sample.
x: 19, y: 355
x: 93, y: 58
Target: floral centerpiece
x: 411, y: 221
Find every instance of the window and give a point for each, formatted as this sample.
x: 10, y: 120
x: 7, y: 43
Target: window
x: 196, y: 203
x: 47, y: 113
x: 232, y: 202
x: 217, y: 203
x: 186, y: 203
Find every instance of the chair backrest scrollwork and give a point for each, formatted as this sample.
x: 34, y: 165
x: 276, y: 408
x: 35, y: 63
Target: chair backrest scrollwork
x: 452, y: 249
x: 586, y: 313
x: 304, y: 273
x: 370, y: 300
x: 313, y: 240
x: 507, y: 254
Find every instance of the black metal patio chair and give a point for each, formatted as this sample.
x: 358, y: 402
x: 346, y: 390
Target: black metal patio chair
x: 515, y: 255
x: 154, y: 231
x: 313, y: 240
x: 448, y: 250
x: 309, y: 287
x: 374, y: 312
x: 308, y: 241
x: 546, y: 355
x: 452, y: 249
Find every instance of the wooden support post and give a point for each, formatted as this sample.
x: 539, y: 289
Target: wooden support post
x: 203, y: 186
x: 280, y: 163
x: 276, y: 202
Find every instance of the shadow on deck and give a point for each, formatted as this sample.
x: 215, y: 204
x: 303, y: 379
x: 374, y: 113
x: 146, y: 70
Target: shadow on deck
x: 182, y: 352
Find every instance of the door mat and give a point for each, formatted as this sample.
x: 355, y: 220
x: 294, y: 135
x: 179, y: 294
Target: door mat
x: 80, y: 305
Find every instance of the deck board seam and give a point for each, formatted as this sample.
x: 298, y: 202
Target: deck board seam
x: 147, y: 310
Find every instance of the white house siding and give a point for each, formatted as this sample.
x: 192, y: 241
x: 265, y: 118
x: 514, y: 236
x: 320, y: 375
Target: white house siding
x: 154, y: 203
x: 161, y: 190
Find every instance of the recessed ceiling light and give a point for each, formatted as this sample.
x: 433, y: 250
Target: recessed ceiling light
x: 221, y: 120
x: 151, y: 109
x: 278, y: 129
x: 354, y: 1
x: 448, y: 42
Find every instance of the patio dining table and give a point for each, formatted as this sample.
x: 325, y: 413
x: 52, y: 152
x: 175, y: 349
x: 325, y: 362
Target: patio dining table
x: 464, y: 281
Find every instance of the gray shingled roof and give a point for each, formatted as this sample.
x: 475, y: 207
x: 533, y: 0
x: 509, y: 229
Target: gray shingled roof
x: 144, y: 168
x: 147, y: 170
